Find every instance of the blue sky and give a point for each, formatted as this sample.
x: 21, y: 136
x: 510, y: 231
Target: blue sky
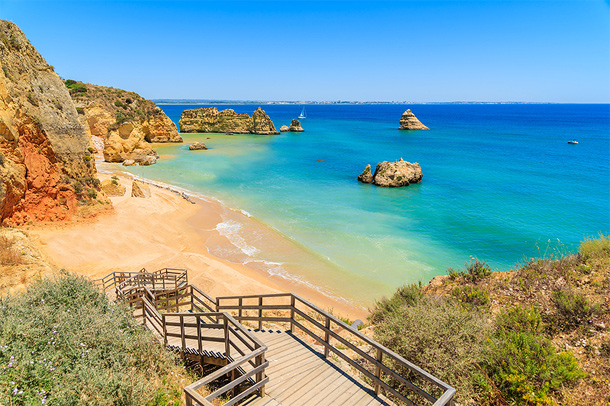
x: 538, y: 51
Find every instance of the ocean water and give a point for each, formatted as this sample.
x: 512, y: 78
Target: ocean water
x: 500, y: 183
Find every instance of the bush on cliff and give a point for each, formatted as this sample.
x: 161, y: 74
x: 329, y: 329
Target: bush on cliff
x: 62, y: 342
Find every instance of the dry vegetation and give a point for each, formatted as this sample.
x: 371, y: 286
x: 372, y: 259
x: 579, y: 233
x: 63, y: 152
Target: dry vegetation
x: 538, y: 335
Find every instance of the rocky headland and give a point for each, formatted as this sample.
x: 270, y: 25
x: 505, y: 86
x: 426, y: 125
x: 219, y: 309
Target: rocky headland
x: 408, y: 121
x: 210, y: 120
x: 295, y: 127
x: 392, y: 174
x: 121, y: 124
x: 47, y: 172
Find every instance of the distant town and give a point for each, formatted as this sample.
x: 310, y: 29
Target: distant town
x: 260, y: 102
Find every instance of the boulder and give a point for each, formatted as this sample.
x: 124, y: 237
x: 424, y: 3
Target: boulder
x: 408, y: 121
x: 112, y: 187
x: 139, y: 189
x: 148, y: 160
x: 366, y: 176
x: 295, y: 127
x: 129, y: 162
x: 197, y: 146
x: 392, y: 174
x: 210, y: 120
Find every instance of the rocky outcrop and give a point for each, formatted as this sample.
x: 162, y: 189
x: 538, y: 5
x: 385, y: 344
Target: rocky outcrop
x: 121, y: 124
x: 295, y: 127
x: 140, y: 189
x: 392, y: 174
x: 366, y: 176
x: 197, y: 146
x: 408, y: 121
x: 46, y: 167
x: 210, y: 120
x: 112, y: 187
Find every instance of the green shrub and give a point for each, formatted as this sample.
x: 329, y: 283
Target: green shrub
x: 594, y: 248
x: 473, y: 271
x: 87, y: 158
x: 63, y: 343
x: 437, y: 336
x: 471, y: 296
x: 1, y: 159
x: 114, y: 180
x: 406, y: 295
x: 118, y: 103
x: 80, y: 110
x: 32, y: 99
x: 527, y: 369
x: 518, y: 319
x: 128, y: 100
x: 92, y: 193
x: 572, y: 309
x: 90, y: 149
x: 78, y: 187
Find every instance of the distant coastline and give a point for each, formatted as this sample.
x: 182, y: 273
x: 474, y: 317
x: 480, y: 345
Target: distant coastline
x: 327, y: 102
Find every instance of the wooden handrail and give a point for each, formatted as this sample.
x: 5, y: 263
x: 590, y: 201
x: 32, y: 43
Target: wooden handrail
x: 378, y: 361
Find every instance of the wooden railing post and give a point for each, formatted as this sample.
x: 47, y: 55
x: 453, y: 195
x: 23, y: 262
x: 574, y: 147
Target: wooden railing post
x: 240, y: 312
x: 226, y: 329
x: 260, y: 360
x: 260, y: 313
x: 192, y: 301
x: 199, y: 336
x: 327, y: 337
x: 143, y: 311
x: 183, y: 336
x: 293, y: 305
x: 164, y: 330
x: 379, y: 359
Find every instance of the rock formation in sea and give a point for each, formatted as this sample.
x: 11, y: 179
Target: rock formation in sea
x: 121, y: 124
x: 295, y: 127
x: 408, y: 121
x: 197, y: 146
x: 46, y: 168
x: 392, y: 174
x: 210, y: 120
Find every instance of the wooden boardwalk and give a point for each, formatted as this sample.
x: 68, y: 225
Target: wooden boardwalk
x: 298, y: 372
x: 265, y: 367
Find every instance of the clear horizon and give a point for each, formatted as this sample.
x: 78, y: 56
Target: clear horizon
x: 427, y: 51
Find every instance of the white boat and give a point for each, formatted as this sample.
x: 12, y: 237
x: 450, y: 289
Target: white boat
x: 303, y: 114
x: 573, y: 142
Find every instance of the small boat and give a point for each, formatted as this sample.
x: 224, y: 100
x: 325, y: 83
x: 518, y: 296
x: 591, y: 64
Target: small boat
x: 303, y: 114
x: 573, y: 142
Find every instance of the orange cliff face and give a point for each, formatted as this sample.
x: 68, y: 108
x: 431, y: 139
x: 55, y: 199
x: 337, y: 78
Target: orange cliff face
x: 46, y: 169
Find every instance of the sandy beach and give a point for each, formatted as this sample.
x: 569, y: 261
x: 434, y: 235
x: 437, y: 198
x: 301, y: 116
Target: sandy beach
x: 166, y: 230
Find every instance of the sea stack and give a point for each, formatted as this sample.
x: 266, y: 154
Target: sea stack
x: 408, y: 121
x: 392, y: 174
x: 210, y: 120
x: 295, y: 127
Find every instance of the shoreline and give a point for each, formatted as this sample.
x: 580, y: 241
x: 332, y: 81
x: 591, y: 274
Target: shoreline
x: 173, y: 228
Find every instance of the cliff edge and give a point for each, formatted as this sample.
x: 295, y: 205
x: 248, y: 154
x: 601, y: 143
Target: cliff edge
x: 121, y: 124
x: 46, y: 169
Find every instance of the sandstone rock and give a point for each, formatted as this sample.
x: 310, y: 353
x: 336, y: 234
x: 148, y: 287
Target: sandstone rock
x: 129, y: 162
x: 148, y: 160
x: 112, y: 187
x: 295, y: 127
x: 366, y: 176
x: 43, y: 145
x: 120, y: 123
x: 197, y: 146
x: 210, y: 120
x: 408, y: 121
x: 392, y: 174
x: 139, y: 189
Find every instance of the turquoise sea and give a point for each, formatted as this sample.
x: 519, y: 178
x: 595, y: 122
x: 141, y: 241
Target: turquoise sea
x: 500, y: 182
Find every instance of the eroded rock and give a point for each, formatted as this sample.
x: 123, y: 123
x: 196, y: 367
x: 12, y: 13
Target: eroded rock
x: 139, y: 189
x: 197, y: 146
x: 392, y: 174
x: 210, y: 120
x: 408, y: 121
x: 112, y: 187
x: 295, y: 127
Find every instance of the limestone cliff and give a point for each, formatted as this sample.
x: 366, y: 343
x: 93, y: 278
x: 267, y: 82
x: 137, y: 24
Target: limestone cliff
x: 121, y: 124
x: 46, y: 168
x: 210, y: 120
x: 408, y: 121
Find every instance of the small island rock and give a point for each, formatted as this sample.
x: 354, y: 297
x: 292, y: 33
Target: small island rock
x: 366, y: 176
x: 295, y: 127
x: 197, y: 146
x: 408, y: 121
x: 210, y: 120
x: 392, y: 174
